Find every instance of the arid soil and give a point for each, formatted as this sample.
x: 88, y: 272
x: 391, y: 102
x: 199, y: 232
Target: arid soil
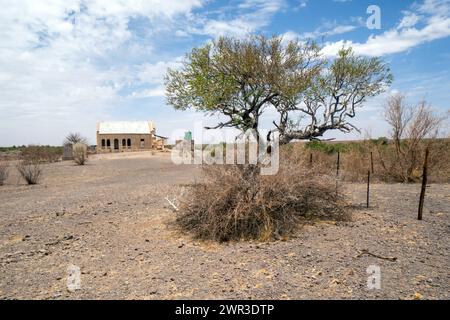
x: 111, y: 219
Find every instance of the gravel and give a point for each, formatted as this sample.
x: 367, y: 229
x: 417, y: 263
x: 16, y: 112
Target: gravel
x: 111, y: 219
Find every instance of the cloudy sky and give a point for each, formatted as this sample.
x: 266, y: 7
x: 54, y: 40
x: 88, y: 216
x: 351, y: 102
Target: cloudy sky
x: 64, y: 65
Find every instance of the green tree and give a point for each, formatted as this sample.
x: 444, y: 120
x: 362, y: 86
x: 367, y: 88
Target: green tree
x: 240, y: 78
x: 331, y: 100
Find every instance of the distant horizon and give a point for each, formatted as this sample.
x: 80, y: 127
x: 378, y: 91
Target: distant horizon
x: 215, y: 143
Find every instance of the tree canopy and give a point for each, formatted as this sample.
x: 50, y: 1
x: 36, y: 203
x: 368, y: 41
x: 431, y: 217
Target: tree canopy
x: 241, y: 78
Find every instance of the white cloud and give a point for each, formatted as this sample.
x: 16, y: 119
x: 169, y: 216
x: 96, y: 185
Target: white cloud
x: 409, y: 20
x: 252, y: 15
x: 331, y: 29
x: 50, y: 78
x: 149, y: 93
x: 339, y: 29
x: 405, y: 36
x: 154, y: 73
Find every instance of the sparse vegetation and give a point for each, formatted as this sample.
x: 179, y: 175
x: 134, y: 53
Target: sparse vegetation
x: 74, y: 138
x: 42, y: 154
x: 79, y: 153
x: 413, y: 128
x: 3, y: 172
x: 240, y: 79
x: 30, y: 163
x: 30, y: 170
x: 235, y: 203
x: 355, y: 159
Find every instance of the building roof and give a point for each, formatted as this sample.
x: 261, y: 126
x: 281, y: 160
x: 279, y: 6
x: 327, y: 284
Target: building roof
x: 125, y: 127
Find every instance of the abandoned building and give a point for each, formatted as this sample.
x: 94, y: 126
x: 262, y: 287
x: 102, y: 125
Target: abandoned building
x: 121, y: 136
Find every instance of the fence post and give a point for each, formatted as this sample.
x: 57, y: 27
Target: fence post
x: 338, y: 163
x: 424, y: 185
x: 337, y: 173
x: 368, y: 187
x: 371, y: 161
x: 310, y: 159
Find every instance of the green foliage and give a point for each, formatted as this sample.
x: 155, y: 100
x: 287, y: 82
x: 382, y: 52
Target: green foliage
x: 10, y: 149
x: 239, y: 78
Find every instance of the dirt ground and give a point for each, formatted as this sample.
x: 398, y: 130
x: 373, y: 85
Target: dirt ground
x: 111, y: 219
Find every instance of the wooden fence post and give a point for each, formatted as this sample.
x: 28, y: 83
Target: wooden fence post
x: 310, y: 159
x: 371, y: 161
x: 424, y: 185
x: 338, y: 163
x: 368, y: 187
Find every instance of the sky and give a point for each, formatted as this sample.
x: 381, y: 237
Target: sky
x: 65, y: 65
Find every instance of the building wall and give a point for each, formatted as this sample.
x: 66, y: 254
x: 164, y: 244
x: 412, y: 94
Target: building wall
x: 135, y: 142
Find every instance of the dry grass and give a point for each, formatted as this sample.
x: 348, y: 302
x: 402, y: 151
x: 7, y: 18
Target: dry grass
x: 43, y: 154
x: 3, y: 172
x: 236, y: 202
x: 79, y: 153
x: 355, y: 161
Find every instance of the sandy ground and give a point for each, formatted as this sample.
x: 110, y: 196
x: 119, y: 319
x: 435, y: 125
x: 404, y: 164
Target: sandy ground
x: 110, y: 219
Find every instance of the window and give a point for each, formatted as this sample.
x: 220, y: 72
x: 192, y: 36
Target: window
x: 116, y: 144
x: 129, y: 143
x: 103, y: 143
x: 124, y: 143
x: 108, y: 143
x: 142, y: 143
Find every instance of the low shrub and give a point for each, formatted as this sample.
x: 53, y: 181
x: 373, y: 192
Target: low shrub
x: 3, y: 172
x: 236, y: 202
x: 30, y: 170
x: 30, y: 163
x: 79, y: 153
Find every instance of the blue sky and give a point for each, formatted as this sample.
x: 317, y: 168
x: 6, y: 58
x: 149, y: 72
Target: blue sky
x: 64, y: 65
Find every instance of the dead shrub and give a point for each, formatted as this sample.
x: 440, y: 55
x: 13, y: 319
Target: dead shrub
x: 74, y: 138
x: 3, y: 172
x: 79, y: 153
x: 30, y: 164
x: 236, y: 202
x: 413, y: 128
x: 30, y: 170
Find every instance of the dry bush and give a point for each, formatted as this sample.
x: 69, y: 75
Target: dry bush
x: 74, y: 138
x: 439, y: 161
x: 236, y: 202
x: 30, y: 170
x: 413, y: 128
x: 79, y: 153
x: 3, y: 172
x: 43, y: 154
x: 389, y: 169
x: 354, y: 166
x: 30, y: 163
x: 354, y: 160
